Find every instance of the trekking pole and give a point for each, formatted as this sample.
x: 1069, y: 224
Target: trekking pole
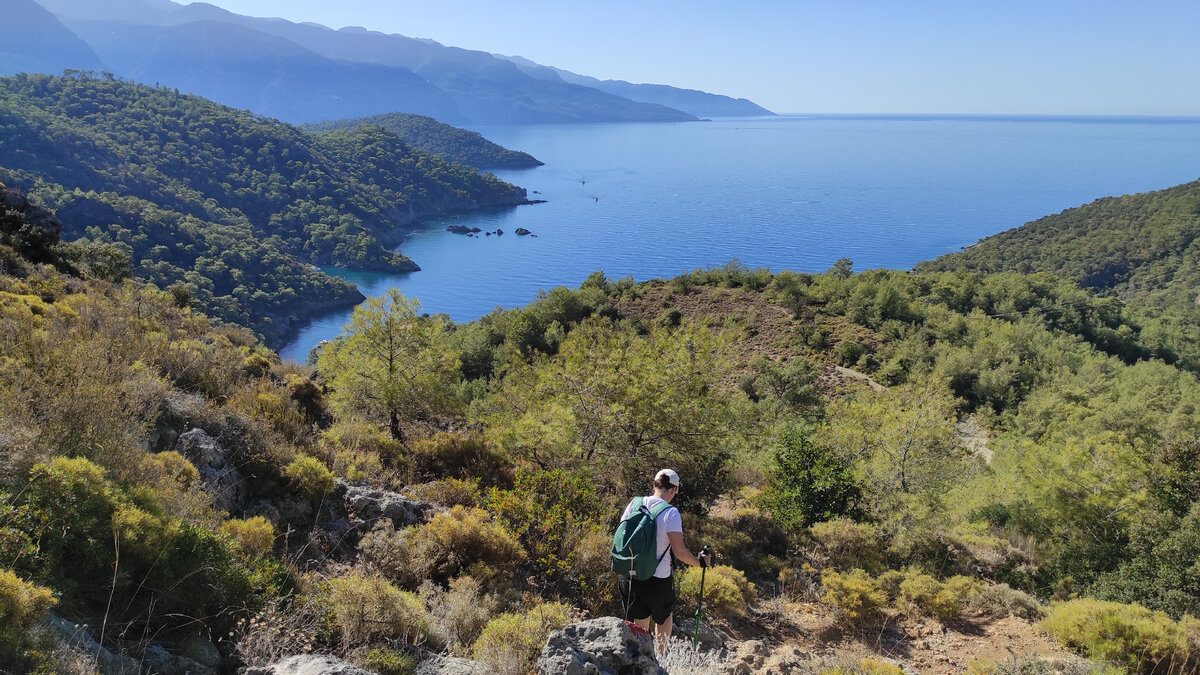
x: 700, y: 605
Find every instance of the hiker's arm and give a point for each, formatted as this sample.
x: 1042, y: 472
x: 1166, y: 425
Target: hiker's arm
x: 680, y: 550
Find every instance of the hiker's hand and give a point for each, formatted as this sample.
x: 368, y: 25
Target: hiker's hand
x: 705, y: 559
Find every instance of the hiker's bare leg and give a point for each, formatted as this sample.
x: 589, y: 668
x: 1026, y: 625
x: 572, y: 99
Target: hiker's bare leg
x: 662, y: 635
x: 644, y: 624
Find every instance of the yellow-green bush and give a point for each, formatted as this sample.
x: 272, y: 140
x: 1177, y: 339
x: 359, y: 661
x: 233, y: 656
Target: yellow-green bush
x: 726, y: 592
x: 463, y: 540
x: 855, y: 597
x: 367, y: 446
x: 923, y: 594
x: 1131, y: 636
x: 252, y: 536
x: 448, y: 492
x: 861, y: 667
x: 310, y: 477
x: 1001, y: 600
x: 848, y: 544
x: 461, y: 612
x: 510, y: 643
x: 365, y: 609
x: 390, y: 662
x: 889, y: 582
x: 21, y: 603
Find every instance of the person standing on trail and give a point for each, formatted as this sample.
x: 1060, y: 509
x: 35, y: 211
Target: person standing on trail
x: 654, y: 597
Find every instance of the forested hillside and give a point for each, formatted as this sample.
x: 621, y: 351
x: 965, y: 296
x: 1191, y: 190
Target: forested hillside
x: 1142, y: 249
x: 441, y: 140
x: 234, y: 207
x: 873, y: 456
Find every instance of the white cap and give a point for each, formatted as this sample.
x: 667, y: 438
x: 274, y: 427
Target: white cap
x: 670, y: 475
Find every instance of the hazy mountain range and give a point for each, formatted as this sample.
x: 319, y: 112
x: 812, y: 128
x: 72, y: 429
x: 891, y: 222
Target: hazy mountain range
x: 303, y: 72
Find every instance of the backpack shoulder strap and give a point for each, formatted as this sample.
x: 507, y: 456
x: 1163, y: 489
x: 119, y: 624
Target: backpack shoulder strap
x: 654, y: 513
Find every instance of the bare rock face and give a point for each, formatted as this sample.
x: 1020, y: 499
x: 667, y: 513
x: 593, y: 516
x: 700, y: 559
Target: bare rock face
x: 218, y: 475
x: 371, y: 504
x: 604, y: 646
x: 309, y: 664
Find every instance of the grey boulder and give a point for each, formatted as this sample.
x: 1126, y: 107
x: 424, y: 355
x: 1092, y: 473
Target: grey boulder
x: 604, y: 646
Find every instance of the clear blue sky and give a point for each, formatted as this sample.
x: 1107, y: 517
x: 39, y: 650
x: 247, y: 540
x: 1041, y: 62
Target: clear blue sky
x: 884, y: 56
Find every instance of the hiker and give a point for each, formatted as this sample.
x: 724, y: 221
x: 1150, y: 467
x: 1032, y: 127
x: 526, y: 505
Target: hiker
x: 654, y: 597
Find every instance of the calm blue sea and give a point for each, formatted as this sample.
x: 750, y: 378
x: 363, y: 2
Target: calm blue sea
x: 655, y: 200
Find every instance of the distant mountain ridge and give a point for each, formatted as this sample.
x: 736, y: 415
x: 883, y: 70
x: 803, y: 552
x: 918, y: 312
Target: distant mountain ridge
x: 699, y: 103
x: 303, y: 72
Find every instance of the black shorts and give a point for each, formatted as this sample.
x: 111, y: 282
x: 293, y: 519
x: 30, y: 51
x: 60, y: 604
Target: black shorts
x: 654, y: 597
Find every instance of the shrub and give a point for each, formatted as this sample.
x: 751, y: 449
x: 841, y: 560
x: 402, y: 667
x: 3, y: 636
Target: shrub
x: 464, y: 457
x: 463, y: 540
x: 1001, y: 600
x: 848, y: 544
x: 726, y: 591
x: 251, y: 537
x: 889, y: 582
x: 367, y: 608
x: 310, y: 477
x: 923, y: 594
x: 1130, y: 636
x: 22, y: 604
x: 389, y: 662
x: 510, y: 643
x: 854, y: 597
x: 863, y: 666
x: 809, y: 483
x: 387, y: 552
x: 461, y: 613
x: 356, y: 465
x: 448, y: 492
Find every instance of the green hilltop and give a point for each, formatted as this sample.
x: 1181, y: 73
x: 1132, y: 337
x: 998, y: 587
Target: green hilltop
x: 237, y: 208
x: 438, y: 139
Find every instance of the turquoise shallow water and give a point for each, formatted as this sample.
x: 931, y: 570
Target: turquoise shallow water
x: 655, y: 200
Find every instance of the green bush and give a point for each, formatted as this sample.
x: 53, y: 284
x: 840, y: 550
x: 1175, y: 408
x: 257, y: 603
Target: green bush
x: 848, y: 544
x: 464, y: 540
x: 510, y: 643
x: 251, y: 537
x: 862, y: 666
x: 448, y: 492
x: 463, y: 457
x: 389, y: 662
x: 921, y: 594
x: 727, y: 594
x: 22, y: 604
x: 1130, y: 636
x: 1001, y: 600
x: 310, y: 477
x: 855, y: 597
x: 365, y: 609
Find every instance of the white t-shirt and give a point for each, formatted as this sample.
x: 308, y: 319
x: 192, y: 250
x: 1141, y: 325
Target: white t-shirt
x: 667, y: 521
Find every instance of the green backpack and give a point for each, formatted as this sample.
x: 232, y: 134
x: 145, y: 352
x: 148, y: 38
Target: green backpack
x: 635, y: 543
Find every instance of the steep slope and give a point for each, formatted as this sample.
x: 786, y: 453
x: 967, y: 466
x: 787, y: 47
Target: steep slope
x: 1142, y: 248
x: 244, y: 68
x: 43, y: 44
x: 699, y: 103
x: 438, y: 139
x: 223, y: 201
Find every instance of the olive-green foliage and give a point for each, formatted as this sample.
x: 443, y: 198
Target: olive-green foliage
x: 441, y: 140
x: 460, y: 612
x: 460, y: 541
x: 448, y: 492
x: 371, y: 449
x: 846, y: 544
x: 510, y: 643
x: 223, y: 201
x: 623, y: 403
x: 553, y: 513
x: 392, y: 366
x: 1032, y: 664
x: 1130, y: 636
x: 366, y: 609
x: 746, y: 539
x: 389, y: 662
x: 727, y: 594
x: 456, y: 456
x: 923, y: 594
x: 854, y: 597
x: 1160, y: 570
x: 1001, y: 600
x: 310, y: 477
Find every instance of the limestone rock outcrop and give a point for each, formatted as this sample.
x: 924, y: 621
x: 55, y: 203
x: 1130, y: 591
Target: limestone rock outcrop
x: 604, y: 646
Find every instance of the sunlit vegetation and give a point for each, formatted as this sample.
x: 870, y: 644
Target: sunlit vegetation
x: 899, y: 447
